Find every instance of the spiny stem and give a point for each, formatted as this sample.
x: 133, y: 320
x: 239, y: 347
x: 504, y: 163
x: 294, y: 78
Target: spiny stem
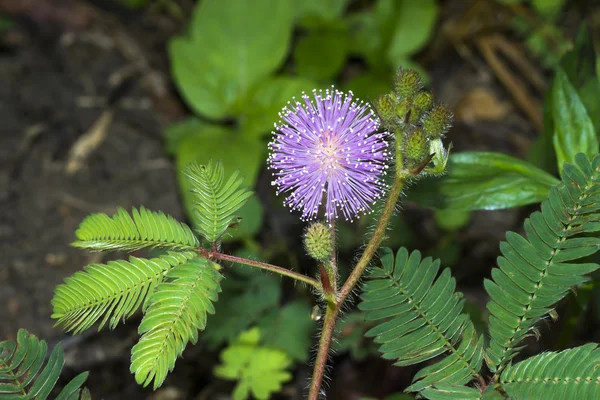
x: 262, y: 265
x: 334, y: 309
x: 323, y: 353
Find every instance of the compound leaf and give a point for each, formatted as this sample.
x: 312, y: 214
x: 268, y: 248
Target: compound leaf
x: 143, y: 228
x: 22, y: 375
x: 536, y: 272
x: 112, y: 291
x: 568, y: 374
x: 420, y: 317
x: 177, y: 309
x: 216, y: 199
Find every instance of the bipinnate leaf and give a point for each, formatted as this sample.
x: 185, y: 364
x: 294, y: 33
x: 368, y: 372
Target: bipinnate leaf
x: 420, y: 317
x: 23, y: 374
x: 568, y: 374
x: 573, y: 128
x: 111, y: 292
x: 259, y: 370
x: 177, y: 309
x: 143, y: 228
x: 217, y: 199
x: 536, y: 272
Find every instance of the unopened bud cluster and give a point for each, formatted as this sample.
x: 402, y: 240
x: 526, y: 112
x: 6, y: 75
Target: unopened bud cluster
x: 318, y: 242
x: 419, y: 123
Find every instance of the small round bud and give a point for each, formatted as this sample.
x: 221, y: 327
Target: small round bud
x: 408, y: 82
x: 416, y: 146
x: 386, y: 107
x: 318, y: 241
x: 438, y: 121
x: 422, y: 102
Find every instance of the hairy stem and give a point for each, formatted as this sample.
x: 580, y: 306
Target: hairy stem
x: 376, y: 239
x: 334, y: 257
x: 269, y: 267
x: 334, y: 309
x: 323, y: 353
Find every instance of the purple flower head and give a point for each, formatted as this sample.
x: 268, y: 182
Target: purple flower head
x: 329, y: 146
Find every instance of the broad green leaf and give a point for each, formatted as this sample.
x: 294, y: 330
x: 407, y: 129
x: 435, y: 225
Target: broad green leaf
x: 369, y: 85
x: 313, y: 12
x: 268, y: 99
x: 371, y: 32
x: 414, y: 25
x: 260, y: 371
x: 232, y: 45
x: 484, y: 181
x: 321, y: 54
x: 351, y: 337
x: 573, y: 129
x: 203, y: 142
x: 289, y: 329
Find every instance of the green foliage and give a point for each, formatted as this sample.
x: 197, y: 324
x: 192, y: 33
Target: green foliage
x: 450, y: 392
x: 22, y: 375
x: 537, y: 272
x: 260, y: 371
x: 230, y: 47
x: 321, y: 54
x: 247, y: 297
x: 422, y: 318
x: 352, y: 328
x: 144, y: 228
x: 484, y: 181
x: 194, y: 141
x: 289, y: 329
x: 573, y: 129
x: 216, y: 199
x: 112, y: 291
x: 392, y: 31
x: 568, y: 374
x: 175, y: 312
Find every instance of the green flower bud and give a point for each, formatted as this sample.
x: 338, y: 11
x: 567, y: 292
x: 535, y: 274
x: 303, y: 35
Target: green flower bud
x: 403, y: 108
x: 416, y: 146
x: 438, y: 121
x: 422, y: 102
x: 386, y: 107
x: 318, y: 242
x: 408, y: 82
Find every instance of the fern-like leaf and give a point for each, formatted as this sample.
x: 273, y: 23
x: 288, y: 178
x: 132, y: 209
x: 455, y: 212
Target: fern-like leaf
x: 216, y: 200
x: 112, y: 291
x: 451, y: 392
x: 141, y: 229
x: 421, y: 319
x: 537, y: 272
x: 176, y: 311
x: 22, y: 375
x: 568, y: 374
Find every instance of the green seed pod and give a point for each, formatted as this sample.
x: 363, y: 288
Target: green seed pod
x: 408, y: 82
x: 422, y: 102
x: 438, y: 121
x: 318, y: 242
x: 386, y: 107
x: 416, y: 146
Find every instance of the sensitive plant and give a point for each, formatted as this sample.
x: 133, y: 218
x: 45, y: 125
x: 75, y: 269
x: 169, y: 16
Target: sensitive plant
x: 417, y: 314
